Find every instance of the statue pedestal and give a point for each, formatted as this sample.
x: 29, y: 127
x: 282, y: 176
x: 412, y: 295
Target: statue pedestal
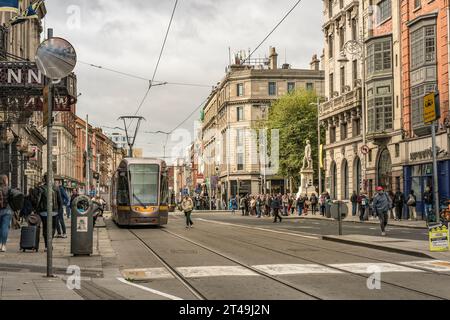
x: 307, y: 180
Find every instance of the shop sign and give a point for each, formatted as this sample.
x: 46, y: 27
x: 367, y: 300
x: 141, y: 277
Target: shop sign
x: 427, y: 154
x: 439, y: 238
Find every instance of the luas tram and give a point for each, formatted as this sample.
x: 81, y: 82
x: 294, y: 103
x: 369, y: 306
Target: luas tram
x: 140, y: 193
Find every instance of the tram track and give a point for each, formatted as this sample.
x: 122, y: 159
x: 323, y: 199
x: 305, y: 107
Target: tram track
x: 299, y: 242
x: 211, y: 234
x: 170, y: 269
x: 194, y: 290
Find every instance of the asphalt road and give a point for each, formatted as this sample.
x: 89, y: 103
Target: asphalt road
x: 235, y: 258
x: 318, y: 227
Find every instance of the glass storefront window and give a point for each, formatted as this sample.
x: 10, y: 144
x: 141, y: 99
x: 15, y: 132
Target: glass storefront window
x: 417, y: 171
x: 415, y: 186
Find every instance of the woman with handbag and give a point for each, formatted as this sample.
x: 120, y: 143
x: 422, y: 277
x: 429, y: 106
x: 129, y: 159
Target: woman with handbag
x: 412, y: 203
x: 5, y: 212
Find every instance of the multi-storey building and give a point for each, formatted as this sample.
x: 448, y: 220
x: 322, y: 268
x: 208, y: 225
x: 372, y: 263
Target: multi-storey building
x: 425, y: 69
x: 363, y: 115
x: 21, y: 142
x: 240, y: 101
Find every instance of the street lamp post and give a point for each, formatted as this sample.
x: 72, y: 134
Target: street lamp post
x: 356, y: 48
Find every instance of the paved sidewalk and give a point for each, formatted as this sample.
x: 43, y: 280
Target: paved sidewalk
x: 417, y: 248
x: 22, y: 275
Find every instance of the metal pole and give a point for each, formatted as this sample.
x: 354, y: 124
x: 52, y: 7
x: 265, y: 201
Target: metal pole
x: 319, y: 143
x: 339, y: 218
x: 50, y: 176
x: 87, y: 156
x: 435, y: 172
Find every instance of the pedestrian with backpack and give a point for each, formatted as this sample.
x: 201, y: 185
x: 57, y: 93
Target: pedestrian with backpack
x: 5, y: 212
x: 40, y: 203
x: 381, y: 206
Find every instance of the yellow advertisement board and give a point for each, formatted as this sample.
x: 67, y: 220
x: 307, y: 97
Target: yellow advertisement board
x: 429, y: 109
x: 439, y: 239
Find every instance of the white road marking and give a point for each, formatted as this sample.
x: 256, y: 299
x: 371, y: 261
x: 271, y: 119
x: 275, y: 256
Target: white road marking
x: 362, y: 268
x: 262, y: 229
x: 433, y: 265
x: 144, y: 274
x: 215, y: 271
x: 159, y: 293
x: 291, y: 269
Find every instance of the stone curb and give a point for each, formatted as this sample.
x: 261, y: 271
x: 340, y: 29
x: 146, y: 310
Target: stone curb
x: 413, y: 253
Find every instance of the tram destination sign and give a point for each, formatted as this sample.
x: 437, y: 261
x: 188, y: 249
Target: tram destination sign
x: 23, y: 83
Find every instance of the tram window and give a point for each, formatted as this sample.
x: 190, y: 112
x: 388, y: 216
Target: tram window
x: 123, y: 196
x: 144, y: 184
x: 164, y: 189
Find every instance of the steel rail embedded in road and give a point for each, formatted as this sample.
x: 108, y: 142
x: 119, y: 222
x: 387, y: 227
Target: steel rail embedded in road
x: 261, y: 273
x: 171, y: 269
x: 332, y: 250
x: 335, y: 268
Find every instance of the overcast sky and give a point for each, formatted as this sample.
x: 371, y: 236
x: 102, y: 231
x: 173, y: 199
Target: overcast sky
x: 127, y: 35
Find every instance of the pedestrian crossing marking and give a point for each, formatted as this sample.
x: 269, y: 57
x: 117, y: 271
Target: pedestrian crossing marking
x: 365, y: 268
x: 145, y: 274
x: 215, y: 271
x: 286, y: 269
x: 292, y: 269
x: 433, y: 265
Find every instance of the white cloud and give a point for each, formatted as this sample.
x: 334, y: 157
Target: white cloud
x: 127, y: 35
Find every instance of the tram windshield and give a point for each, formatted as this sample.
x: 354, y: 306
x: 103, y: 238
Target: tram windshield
x: 144, y: 184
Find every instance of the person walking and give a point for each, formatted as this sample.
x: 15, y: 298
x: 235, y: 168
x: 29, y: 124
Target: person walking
x: 300, y: 205
x: 60, y: 224
x: 313, y: 200
x: 72, y: 198
x: 258, y: 206
x: 412, y: 203
x: 381, y: 205
x: 5, y: 212
x: 399, y: 201
x: 322, y: 204
x: 40, y: 195
x: 285, y: 201
x: 428, y: 201
x: 242, y: 205
x: 363, y: 206
x: 354, y: 201
x: 233, y: 205
x: 276, y: 205
x: 188, y: 205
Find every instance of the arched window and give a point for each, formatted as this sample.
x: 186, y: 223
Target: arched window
x: 357, y: 175
x: 385, y: 170
x: 344, y: 182
x: 333, y: 176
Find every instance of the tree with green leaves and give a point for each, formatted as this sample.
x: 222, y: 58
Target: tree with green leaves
x: 295, y: 116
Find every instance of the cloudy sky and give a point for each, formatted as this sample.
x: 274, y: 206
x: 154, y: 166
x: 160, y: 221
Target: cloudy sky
x: 127, y: 35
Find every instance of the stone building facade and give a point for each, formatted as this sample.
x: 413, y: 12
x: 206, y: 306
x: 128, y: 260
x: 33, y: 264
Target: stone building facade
x: 241, y: 100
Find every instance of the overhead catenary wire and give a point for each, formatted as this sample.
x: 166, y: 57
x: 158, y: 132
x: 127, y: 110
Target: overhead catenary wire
x: 273, y: 30
x: 130, y: 75
x: 158, y: 62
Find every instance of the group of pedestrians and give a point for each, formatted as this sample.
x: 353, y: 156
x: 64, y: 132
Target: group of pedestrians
x: 402, y: 207
x: 277, y: 205
x: 35, y: 209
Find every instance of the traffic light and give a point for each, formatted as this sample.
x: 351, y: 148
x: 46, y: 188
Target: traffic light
x: 260, y: 181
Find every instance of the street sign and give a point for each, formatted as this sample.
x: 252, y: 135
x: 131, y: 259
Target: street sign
x: 365, y: 150
x: 56, y: 58
x: 30, y: 172
x: 430, y: 108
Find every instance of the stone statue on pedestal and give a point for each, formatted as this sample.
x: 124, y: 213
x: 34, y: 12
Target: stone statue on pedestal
x: 307, y: 172
x: 307, y: 158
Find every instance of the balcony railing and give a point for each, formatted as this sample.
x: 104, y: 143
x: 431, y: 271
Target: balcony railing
x: 344, y: 101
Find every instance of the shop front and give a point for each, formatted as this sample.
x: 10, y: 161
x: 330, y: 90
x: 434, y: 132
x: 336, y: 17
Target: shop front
x: 418, y: 173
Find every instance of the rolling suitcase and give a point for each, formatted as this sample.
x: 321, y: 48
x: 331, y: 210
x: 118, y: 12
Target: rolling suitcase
x: 29, y: 238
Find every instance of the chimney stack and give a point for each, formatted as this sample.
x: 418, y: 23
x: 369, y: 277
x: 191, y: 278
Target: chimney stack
x: 273, y: 58
x: 315, y: 63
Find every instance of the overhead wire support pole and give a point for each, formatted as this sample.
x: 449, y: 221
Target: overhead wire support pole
x: 131, y: 139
